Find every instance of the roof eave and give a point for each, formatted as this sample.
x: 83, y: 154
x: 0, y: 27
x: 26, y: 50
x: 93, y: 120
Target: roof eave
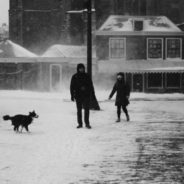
x: 133, y: 33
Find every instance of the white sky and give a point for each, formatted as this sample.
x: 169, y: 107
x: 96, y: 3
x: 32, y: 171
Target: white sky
x: 4, y: 7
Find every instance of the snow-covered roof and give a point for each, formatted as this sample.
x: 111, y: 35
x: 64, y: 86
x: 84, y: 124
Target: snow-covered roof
x: 125, y: 24
x: 11, y: 49
x: 181, y: 26
x: 67, y: 51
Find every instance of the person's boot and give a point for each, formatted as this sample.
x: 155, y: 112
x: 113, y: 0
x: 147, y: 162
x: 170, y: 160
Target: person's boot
x: 79, y: 126
x: 118, y: 120
x: 128, y: 118
x: 88, y: 126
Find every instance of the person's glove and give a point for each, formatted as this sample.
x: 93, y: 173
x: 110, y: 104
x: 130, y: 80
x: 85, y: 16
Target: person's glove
x: 72, y: 99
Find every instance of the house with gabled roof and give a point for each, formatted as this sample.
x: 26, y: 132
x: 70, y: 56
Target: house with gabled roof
x: 149, y: 50
x: 51, y: 71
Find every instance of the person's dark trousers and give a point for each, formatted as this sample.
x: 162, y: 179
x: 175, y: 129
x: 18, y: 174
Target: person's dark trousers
x: 124, y: 110
x: 86, y: 104
x: 79, y: 112
x: 119, y: 111
x: 83, y: 103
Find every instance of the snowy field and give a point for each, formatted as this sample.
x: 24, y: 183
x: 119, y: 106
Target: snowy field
x: 148, y: 149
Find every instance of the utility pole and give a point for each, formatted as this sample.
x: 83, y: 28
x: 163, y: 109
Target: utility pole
x: 88, y: 5
x: 94, y: 103
x: 89, y: 38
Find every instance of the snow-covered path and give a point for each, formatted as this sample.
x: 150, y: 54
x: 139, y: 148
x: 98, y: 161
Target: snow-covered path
x: 50, y: 151
x: 146, y: 150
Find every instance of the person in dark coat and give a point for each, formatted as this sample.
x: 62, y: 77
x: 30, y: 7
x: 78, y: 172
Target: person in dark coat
x: 122, y: 91
x: 81, y: 89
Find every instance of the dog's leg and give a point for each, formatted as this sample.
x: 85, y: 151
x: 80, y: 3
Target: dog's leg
x: 17, y: 128
x: 14, y: 128
x: 27, y: 129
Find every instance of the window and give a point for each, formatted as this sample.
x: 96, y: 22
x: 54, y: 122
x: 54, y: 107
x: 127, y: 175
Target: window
x: 173, y: 48
x: 154, y: 80
x: 173, y: 80
x: 155, y: 48
x: 117, y: 48
x: 138, y: 25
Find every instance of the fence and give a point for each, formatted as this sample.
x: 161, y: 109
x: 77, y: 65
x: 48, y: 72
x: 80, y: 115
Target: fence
x: 19, y: 79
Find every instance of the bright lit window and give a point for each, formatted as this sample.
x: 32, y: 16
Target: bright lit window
x: 117, y: 48
x: 173, y: 48
x: 155, y: 48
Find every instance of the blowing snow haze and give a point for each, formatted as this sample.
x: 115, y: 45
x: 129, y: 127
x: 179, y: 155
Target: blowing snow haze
x: 4, y: 6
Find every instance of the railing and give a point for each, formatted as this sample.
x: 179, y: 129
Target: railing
x: 19, y: 79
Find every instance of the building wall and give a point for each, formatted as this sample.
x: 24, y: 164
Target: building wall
x: 36, y: 24
x: 138, y: 85
x: 136, y: 46
x: 35, y: 73
x: 165, y: 88
x: 137, y: 68
x: 102, y: 47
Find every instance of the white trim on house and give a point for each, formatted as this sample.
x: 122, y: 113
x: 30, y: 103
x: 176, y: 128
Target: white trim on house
x: 162, y: 47
x: 137, y: 33
x: 50, y: 74
x: 117, y: 38
x: 159, y: 87
x: 166, y: 49
x: 173, y: 87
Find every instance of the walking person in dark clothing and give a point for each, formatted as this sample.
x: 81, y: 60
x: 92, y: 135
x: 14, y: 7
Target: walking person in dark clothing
x: 81, y: 89
x: 122, y: 96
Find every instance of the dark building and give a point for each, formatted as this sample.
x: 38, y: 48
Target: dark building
x: 37, y: 24
x: 172, y: 9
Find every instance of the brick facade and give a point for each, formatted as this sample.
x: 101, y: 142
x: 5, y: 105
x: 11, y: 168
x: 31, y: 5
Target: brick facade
x: 36, y: 24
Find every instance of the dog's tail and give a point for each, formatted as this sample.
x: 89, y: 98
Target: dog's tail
x: 6, y: 117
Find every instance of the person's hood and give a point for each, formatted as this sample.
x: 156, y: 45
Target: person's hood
x: 122, y: 75
x: 80, y: 65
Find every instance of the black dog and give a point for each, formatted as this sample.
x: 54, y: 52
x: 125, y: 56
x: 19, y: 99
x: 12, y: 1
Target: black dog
x: 21, y: 120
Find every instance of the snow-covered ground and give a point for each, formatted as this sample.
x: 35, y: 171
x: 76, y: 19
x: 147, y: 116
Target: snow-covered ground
x: 55, y: 152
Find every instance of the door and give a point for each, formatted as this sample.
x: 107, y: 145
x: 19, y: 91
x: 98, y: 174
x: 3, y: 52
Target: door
x: 55, y: 77
x: 138, y: 82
